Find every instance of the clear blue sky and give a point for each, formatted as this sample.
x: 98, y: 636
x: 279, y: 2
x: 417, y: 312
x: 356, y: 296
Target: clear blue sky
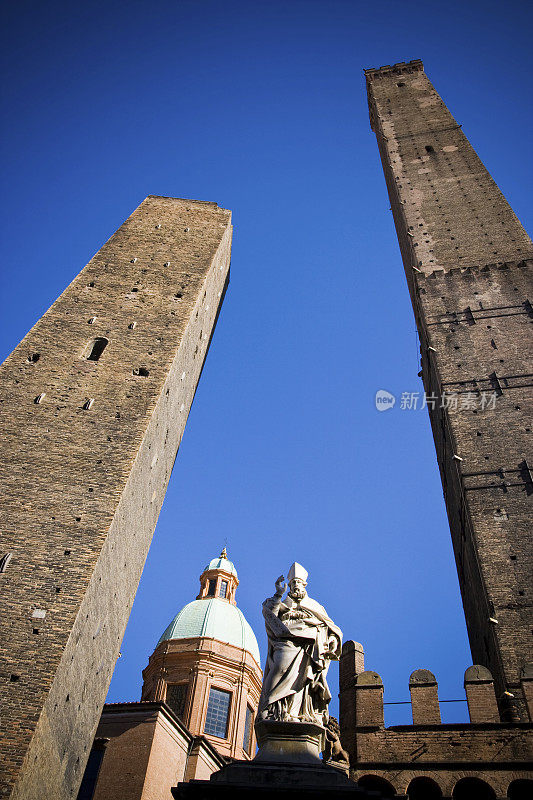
x: 261, y: 107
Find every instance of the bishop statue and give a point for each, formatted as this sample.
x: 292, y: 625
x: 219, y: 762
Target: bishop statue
x: 302, y: 640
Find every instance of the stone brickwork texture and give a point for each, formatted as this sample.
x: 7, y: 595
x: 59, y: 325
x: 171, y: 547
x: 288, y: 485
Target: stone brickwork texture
x: 201, y: 663
x: 88, y: 443
x: 468, y: 263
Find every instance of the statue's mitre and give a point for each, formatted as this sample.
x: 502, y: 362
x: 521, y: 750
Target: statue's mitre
x: 297, y: 571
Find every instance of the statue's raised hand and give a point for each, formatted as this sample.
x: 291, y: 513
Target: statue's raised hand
x: 280, y: 585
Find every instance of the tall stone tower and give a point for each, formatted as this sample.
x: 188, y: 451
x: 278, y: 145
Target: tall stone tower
x: 468, y: 265
x: 94, y: 404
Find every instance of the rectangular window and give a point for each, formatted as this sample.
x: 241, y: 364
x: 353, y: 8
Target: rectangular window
x: 176, y: 696
x: 248, y: 728
x: 212, y: 587
x: 216, y: 720
x: 223, y: 589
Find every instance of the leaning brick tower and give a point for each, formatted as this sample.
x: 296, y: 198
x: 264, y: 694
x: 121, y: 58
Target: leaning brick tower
x: 468, y: 265
x: 94, y: 404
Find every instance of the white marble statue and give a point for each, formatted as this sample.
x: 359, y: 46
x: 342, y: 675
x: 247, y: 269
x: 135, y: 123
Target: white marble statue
x: 302, y: 640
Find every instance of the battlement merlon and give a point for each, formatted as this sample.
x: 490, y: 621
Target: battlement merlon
x: 361, y: 694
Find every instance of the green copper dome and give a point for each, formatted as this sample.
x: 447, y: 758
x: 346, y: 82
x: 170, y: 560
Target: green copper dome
x: 215, y: 619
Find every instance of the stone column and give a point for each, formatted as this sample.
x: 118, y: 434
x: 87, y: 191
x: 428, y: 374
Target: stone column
x: 424, y: 698
x: 369, y: 700
x: 480, y: 695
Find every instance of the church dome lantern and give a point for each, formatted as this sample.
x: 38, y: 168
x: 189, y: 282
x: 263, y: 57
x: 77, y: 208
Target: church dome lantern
x: 219, y: 579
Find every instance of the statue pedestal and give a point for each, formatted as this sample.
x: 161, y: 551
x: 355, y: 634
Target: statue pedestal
x: 287, y: 764
x: 289, y: 742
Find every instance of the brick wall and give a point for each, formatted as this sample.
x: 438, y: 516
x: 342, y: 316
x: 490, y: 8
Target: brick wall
x: 82, y: 487
x: 148, y: 751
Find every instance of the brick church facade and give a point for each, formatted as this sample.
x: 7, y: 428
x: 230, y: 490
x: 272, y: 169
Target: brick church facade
x: 198, y: 705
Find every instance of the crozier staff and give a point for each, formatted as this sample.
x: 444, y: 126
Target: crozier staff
x: 302, y: 640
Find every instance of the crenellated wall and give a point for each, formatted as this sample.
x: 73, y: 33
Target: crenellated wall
x: 485, y: 748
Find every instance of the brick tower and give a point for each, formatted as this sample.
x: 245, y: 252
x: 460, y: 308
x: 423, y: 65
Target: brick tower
x: 468, y: 265
x: 94, y: 404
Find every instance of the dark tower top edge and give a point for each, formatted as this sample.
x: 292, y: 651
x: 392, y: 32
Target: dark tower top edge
x: 395, y: 69
x: 188, y: 200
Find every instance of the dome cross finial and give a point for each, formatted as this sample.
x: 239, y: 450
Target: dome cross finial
x: 224, y: 553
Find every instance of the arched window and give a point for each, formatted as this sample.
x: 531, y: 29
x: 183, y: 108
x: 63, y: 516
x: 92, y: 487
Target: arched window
x: 472, y: 789
x: 521, y: 789
x: 4, y: 561
x: 377, y: 784
x: 176, y: 697
x: 95, y: 348
x: 423, y: 789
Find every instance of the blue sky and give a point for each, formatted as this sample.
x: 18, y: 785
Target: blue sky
x: 261, y: 107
